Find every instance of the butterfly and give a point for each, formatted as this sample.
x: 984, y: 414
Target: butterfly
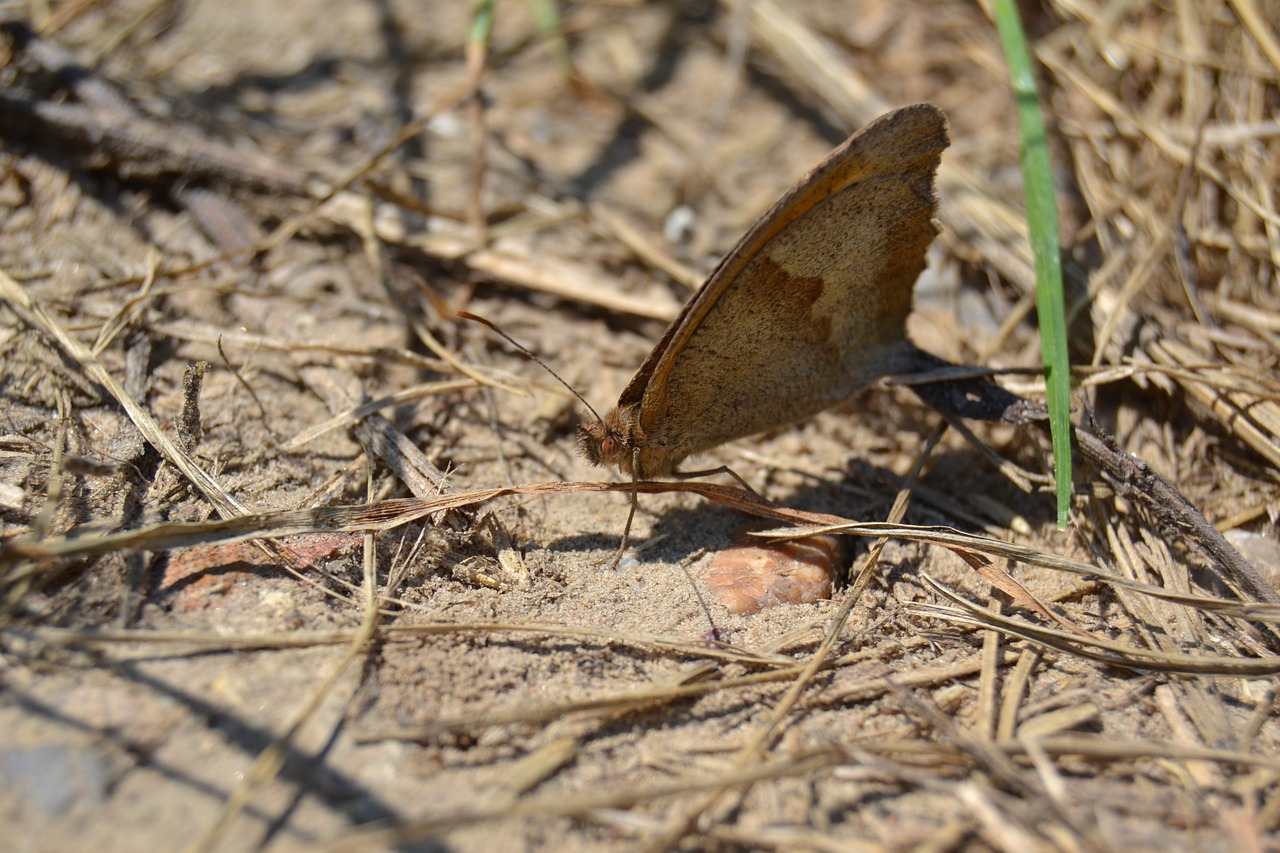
x: 809, y: 307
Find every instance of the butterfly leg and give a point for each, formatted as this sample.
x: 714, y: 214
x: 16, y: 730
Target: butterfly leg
x: 631, y: 514
x: 711, y: 472
x: 626, y: 533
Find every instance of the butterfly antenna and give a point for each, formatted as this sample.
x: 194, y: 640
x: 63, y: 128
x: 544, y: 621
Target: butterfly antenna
x: 466, y: 315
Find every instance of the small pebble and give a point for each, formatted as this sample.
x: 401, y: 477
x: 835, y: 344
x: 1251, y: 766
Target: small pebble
x: 1262, y: 551
x: 678, y: 225
x: 754, y: 574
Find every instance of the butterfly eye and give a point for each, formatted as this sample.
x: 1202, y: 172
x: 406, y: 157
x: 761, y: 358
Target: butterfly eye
x: 609, y: 445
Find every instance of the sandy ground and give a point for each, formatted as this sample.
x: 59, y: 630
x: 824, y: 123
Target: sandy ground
x: 503, y: 624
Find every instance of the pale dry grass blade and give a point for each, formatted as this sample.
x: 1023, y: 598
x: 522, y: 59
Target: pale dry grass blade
x: 646, y: 248
x: 567, y: 282
x: 1106, y: 651
x: 226, y: 505
x: 1252, y: 414
x: 271, y: 760
x: 357, y: 413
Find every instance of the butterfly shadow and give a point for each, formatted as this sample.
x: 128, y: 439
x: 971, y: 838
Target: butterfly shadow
x: 861, y: 491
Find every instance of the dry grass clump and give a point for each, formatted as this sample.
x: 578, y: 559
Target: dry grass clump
x: 1170, y: 120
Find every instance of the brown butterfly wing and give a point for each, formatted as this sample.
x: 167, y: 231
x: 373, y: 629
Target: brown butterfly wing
x: 811, y: 304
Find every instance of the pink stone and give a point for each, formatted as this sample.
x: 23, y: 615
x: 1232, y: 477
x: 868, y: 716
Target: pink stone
x: 753, y: 574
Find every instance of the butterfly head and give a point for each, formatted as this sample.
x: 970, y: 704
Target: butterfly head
x: 612, y: 440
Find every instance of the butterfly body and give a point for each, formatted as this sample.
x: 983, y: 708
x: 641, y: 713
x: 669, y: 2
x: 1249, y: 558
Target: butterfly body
x: 809, y: 307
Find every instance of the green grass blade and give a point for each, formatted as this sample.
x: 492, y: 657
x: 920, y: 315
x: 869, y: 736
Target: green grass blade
x: 1042, y: 223
x: 481, y: 24
x: 546, y: 17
